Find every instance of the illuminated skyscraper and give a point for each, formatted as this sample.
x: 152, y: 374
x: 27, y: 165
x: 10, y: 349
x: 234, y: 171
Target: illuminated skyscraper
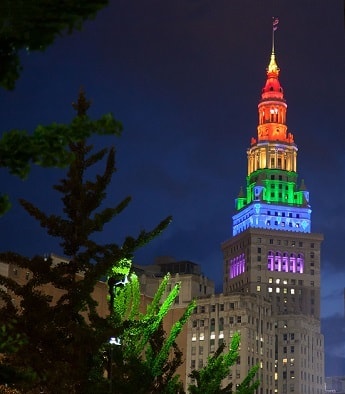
x: 273, y: 253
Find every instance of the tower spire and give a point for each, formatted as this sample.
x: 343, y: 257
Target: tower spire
x: 273, y: 67
x: 275, y: 22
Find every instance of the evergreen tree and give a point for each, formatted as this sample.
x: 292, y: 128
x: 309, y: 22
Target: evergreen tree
x: 59, y: 342
x: 62, y: 336
x: 49, y: 146
x: 33, y: 25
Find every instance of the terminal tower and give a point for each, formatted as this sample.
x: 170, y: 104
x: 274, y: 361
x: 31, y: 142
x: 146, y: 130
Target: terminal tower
x: 273, y: 253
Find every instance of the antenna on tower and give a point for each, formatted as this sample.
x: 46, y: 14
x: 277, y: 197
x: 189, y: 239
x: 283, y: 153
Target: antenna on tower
x: 275, y: 22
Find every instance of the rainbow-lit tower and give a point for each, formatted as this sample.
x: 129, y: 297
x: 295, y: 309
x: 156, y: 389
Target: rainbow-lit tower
x: 274, y: 256
x: 272, y: 199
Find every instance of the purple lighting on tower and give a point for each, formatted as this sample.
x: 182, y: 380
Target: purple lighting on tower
x: 237, y: 266
x: 283, y: 262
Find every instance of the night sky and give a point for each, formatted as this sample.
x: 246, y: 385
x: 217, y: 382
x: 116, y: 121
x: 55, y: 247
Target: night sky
x: 185, y: 79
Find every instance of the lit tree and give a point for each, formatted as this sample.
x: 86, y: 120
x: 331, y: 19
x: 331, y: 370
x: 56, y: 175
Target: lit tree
x: 209, y: 378
x: 147, y: 358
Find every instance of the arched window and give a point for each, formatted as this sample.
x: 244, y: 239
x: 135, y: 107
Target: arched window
x: 277, y: 261
x: 237, y: 266
x: 300, y: 263
x: 292, y: 263
x: 283, y: 262
x: 270, y: 261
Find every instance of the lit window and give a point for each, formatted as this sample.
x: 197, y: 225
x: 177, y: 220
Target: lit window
x: 277, y: 281
x: 278, y: 290
x: 202, y: 336
x: 258, y: 288
x: 194, y: 337
x: 270, y: 289
x: 292, y: 291
x: 270, y: 280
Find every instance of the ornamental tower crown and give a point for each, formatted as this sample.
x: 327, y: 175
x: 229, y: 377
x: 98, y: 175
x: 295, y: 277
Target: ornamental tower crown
x: 272, y: 199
